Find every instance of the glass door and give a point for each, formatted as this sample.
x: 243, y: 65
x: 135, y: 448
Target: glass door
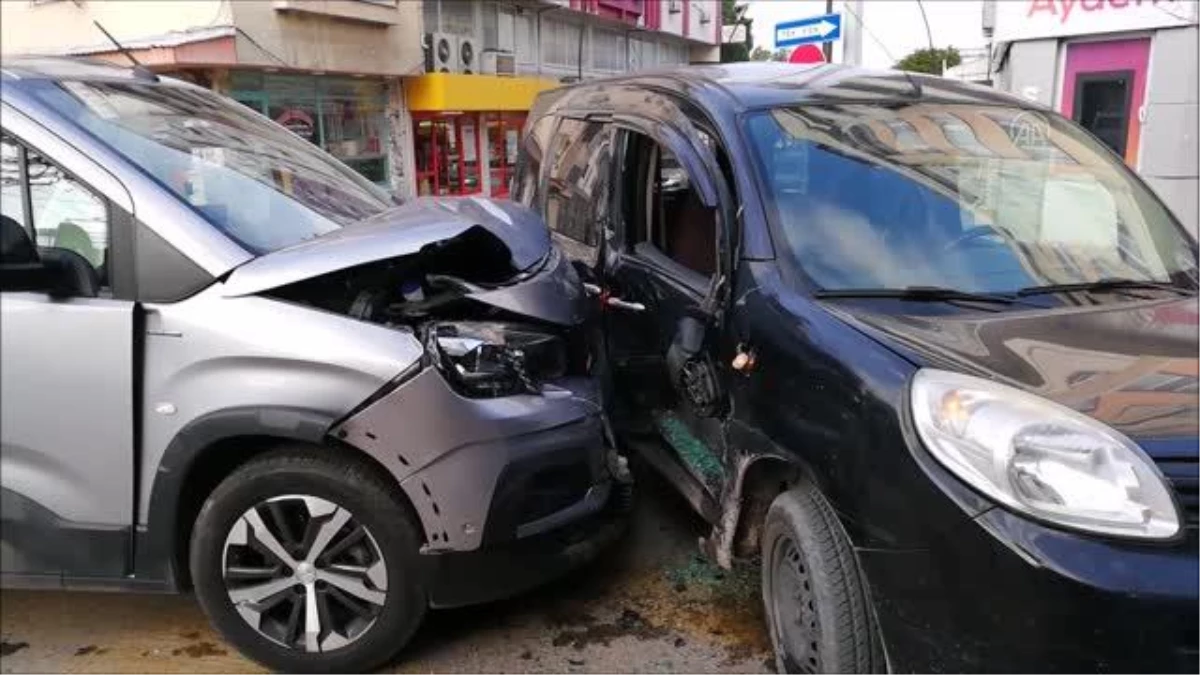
x: 447, y: 154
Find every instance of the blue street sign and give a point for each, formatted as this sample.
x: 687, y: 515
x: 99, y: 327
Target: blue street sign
x: 813, y: 30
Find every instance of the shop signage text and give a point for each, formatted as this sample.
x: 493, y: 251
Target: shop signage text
x: 1027, y: 19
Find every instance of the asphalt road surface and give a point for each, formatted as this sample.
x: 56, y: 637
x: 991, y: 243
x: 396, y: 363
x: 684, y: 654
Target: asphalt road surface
x: 648, y: 605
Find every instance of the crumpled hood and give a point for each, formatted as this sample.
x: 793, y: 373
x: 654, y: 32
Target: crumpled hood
x: 543, y: 284
x: 400, y: 231
x: 1131, y: 365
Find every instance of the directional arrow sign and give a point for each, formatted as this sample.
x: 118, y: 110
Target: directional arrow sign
x: 813, y: 30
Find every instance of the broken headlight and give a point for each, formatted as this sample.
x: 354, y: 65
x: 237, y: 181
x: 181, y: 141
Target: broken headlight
x: 486, y: 360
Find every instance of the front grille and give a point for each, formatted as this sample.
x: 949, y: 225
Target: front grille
x: 1184, y: 477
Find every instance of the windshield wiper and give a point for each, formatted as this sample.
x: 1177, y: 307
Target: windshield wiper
x: 1106, y: 284
x: 919, y: 293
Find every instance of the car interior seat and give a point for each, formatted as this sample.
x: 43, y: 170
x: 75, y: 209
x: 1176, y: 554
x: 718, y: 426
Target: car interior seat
x: 692, y: 234
x: 16, y: 248
x: 58, y: 270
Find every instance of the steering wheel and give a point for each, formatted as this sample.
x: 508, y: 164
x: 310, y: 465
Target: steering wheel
x: 978, y: 232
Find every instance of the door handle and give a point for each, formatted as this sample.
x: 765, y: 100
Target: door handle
x: 618, y: 303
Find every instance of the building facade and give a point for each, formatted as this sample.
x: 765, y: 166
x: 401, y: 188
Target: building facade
x: 420, y: 97
x: 1124, y: 69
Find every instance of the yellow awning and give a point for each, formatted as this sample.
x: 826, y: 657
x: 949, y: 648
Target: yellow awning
x: 437, y: 92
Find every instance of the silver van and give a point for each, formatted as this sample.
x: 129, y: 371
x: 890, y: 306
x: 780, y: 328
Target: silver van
x: 231, y: 364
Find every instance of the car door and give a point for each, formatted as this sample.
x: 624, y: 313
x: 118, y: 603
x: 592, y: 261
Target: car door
x: 663, y: 286
x: 66, y: 364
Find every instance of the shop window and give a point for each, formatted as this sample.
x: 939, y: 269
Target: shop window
x: 503, y: 138
x: 345, y: 117
x: 447, y: 154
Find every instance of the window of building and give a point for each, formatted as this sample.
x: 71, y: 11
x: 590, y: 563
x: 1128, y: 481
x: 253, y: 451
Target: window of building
x: 524, y: 36
x: 346, y: 117
x: 560, y: 43
x: 458, y: 18
x: 608, y: 50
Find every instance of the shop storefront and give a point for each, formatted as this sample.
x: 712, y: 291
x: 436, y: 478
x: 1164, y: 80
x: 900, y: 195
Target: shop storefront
x: 466, y: 129
x: 345, y: 116
x: 454, y: 151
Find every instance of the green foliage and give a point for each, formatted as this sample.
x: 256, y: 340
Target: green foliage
x: 929, y: 60
x: 733, y: 13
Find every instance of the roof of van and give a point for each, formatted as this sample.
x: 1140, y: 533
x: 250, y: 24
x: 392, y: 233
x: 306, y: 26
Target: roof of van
x: 768, y: 84
x: 65, y: 68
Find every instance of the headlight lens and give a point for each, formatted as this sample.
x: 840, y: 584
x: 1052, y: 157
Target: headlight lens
x: 1041, y: 458
x: 486, y: 360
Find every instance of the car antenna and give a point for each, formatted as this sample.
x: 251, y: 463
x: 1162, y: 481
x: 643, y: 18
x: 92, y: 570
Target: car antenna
x: 912, y: 81
x: 138, y: 69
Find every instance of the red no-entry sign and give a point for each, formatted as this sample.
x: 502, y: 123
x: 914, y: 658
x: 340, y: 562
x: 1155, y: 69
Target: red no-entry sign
x: 807, y: 54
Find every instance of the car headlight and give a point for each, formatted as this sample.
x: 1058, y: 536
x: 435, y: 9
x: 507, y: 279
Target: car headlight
x: 486, y: 360
x: 1041, y: 458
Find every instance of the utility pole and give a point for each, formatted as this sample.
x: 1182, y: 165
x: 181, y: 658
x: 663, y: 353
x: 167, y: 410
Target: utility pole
x: 852, y: 33
x: 828, y: 46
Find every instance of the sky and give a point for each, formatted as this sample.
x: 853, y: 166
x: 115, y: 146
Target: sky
x: 896, y: 24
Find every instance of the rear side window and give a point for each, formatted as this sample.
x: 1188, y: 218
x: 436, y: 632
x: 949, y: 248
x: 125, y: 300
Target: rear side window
x: 526, y: 189
x: 577, y: 190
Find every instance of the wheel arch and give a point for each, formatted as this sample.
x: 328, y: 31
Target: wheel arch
x: 760, y: 479
x: 204, y: 453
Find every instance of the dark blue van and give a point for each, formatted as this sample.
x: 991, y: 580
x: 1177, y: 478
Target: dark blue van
x: 926, y: 350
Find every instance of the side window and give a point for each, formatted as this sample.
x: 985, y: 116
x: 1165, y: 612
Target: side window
x: 52, y: 219
x: 66, y: 215
x: 526, y: 189
x: 12, y: 200
x: 577, y: 192
x: 665, y: 210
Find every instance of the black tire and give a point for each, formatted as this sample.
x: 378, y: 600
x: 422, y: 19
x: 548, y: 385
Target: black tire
x: 349, y: 484
x: 816, y: 604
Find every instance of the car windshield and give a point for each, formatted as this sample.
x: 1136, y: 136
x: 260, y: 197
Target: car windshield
x: 258, y: 183
x: 967, y: 197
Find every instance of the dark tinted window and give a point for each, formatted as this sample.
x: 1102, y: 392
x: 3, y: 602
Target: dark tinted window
x: 526, y: 188
x: 577, y: 192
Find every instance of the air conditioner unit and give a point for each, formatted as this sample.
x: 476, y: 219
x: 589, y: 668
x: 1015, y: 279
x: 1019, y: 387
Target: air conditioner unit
x: 495, y: 62
x: 441, y: 53
x: 468, y: 55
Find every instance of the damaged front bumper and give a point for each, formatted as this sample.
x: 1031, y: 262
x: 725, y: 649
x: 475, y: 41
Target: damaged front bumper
x: 526, y: 483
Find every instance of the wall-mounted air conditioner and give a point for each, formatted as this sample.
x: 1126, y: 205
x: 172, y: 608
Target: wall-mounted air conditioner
x: 495, y: 62
x: 468, y: 55
x: 441, y: 53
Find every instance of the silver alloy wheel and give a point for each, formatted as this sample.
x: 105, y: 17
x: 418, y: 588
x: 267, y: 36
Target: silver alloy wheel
x: 304, y: 573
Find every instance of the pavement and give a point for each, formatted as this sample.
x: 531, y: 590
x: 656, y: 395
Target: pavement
x: 649, y: 604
